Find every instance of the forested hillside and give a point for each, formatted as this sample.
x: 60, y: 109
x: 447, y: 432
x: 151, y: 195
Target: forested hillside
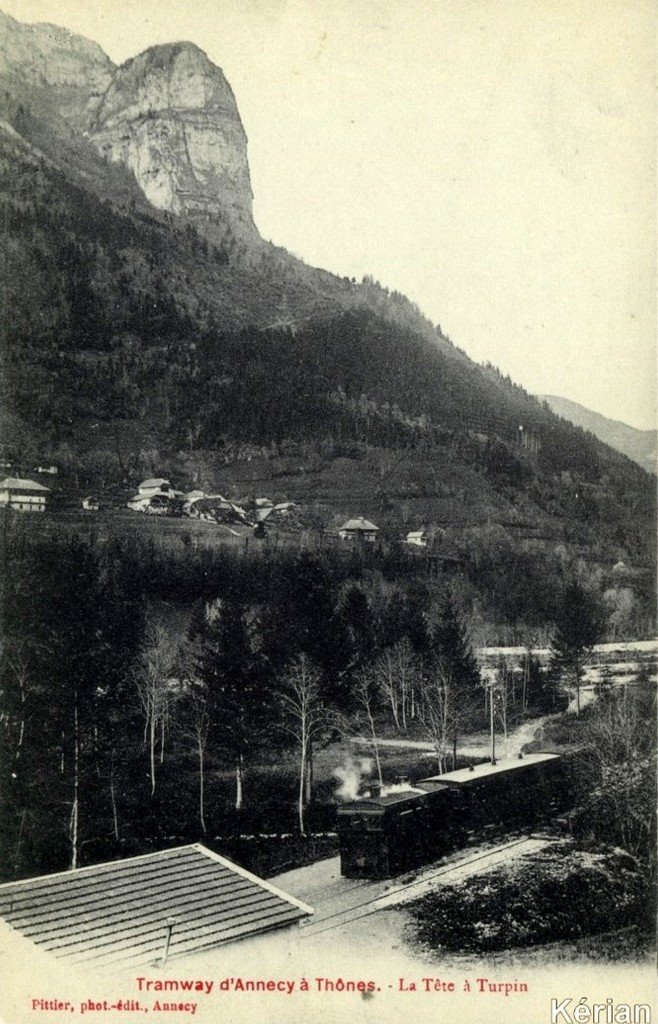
x: 131, y: 324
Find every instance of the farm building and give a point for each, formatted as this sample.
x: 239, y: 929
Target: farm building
x: 91, y: 504
x: 155, y: 505
x: 138, y: 503
x: 145, y: 910
x: 214, y: 508
x: 359, y: 530
x: 418, y: 538
x: 153, y: 486
x: 23, y: 495
x: 284, y: 507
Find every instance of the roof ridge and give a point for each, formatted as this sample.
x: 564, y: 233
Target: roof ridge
x: 254, y: 878
x: 93, y: 867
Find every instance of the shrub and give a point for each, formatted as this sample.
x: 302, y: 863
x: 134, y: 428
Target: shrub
x: 559, y: 894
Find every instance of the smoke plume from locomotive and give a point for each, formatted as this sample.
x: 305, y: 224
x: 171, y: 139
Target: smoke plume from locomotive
x: 355, y: 780
x: 351, y: 775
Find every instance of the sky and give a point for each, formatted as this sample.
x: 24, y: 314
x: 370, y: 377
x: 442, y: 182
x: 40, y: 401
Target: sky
x: 492, y: 159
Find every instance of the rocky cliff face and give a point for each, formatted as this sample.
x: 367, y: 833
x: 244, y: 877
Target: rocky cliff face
x: 49, y: 66
x: 169, y: 115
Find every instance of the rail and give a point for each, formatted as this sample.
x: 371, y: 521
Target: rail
x: 391, y: 897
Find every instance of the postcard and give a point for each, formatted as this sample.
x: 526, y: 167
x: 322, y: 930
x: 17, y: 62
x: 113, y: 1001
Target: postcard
x: 327, y: 504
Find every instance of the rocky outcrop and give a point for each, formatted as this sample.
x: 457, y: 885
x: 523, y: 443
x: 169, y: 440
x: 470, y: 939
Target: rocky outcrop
x: 65, y: 72
x: 169, y: 115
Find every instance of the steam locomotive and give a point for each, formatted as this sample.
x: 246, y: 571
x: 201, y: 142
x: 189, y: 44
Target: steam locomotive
x: 382, y: 835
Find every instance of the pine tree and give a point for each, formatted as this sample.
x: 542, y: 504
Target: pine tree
x: 450, y: 643
x: 232, y: 665
x: 579, y: 625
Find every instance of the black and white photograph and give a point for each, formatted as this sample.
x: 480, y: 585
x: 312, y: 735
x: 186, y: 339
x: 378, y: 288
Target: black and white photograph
x: 328, y: 633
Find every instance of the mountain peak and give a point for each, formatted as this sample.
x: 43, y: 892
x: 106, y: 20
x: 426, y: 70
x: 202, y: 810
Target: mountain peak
x: 171, y: 77
x: 163, y: 53
x: 168, y: 114
x: 53, y: 67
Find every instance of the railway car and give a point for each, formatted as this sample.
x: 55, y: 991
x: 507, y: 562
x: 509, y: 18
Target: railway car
x: 509, y: 791
x: 386, y: 834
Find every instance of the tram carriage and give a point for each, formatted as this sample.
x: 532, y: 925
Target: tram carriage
x: 382, y: 835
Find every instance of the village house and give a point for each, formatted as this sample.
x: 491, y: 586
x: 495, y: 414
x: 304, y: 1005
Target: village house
x: 23, y: 495
x: 418, y: 538
x: 192, y: 496
x: 138, y: 503
x: 155, y: 485
x: 153, y: 496
x: 90, y: 504
x: 359, y: 530
x: 284, y: 507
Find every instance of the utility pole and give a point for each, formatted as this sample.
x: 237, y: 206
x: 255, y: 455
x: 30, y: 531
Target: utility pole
x: 491, y: 721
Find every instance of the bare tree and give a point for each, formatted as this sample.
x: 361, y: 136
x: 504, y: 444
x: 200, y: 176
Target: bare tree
x: 396, y: 674
x: 619, y: 770
x: 75, y: 804
x: 13, y: 719
x: 500, y: 694
x: 196, y: 718
x: 366, y: 694
x: 113, y: 799
x: 385, y: 669
x: 435, y: 697
x: 304, y: 717
x: 199, y: 723
x: 157, y: 688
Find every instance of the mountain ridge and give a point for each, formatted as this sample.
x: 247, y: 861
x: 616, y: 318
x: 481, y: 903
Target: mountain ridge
x: 168, y: 114
x: 638, y: 445
x: 205, y: 346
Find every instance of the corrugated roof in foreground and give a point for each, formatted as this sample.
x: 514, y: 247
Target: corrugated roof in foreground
x: 117, y: 913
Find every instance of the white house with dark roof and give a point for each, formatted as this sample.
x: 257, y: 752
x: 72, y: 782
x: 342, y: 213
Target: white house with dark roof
x: 23, y: 495
x: 417, y: 538
x: 144, y: 910
x: 359, y: 530
x: 154, y: 485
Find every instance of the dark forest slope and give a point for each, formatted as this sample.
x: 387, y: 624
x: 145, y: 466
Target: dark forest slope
x: 137, y: 339
x: 121, y: 322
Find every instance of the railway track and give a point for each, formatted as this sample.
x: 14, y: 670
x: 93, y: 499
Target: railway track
x: 419, y: 886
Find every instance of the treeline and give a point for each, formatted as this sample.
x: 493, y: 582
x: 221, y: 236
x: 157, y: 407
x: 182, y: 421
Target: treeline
x: 124, y: 719
x: 508, y: 595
